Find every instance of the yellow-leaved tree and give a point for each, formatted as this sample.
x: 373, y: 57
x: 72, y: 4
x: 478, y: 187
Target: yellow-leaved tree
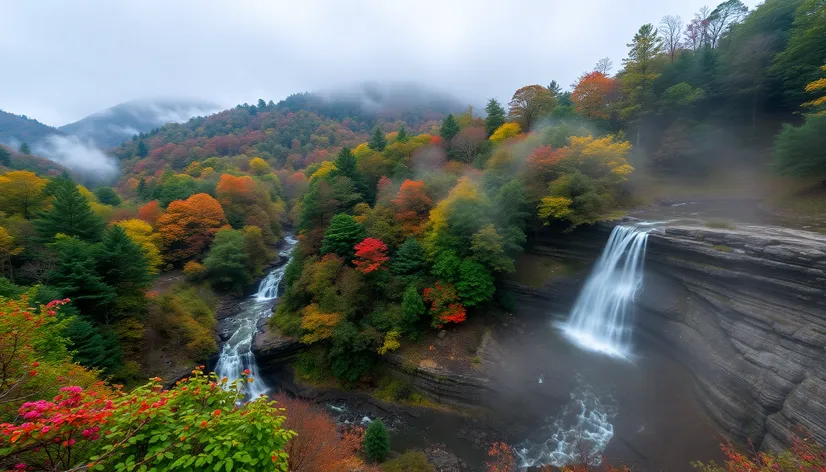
x: 141, y: 233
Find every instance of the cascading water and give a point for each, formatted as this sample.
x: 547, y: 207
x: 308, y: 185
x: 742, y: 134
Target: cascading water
x: 237, y: 356
x: 600, y: 317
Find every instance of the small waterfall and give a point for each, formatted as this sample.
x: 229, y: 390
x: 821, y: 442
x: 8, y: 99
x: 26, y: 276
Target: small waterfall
x: 600, y: 319
x: 236, y: 355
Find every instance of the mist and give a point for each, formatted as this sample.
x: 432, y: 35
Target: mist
x: 78, y: 156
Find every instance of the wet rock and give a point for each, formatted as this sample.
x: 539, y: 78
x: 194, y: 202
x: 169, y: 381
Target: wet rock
x: 443, y: 460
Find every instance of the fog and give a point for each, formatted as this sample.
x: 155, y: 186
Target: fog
x: 80, y: 157
x: 65, y: 60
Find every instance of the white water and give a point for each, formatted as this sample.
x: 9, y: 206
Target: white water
x: 236, y: 355
x: 601, y: 317
x: 578, y: 435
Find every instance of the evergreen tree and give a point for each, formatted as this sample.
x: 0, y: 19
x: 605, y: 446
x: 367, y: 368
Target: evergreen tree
x: 475, y: 283
x: 555, y: 88
x: 262, y: 105
x: 122, y: 263
x: 92, y: 347
x: 144, y: 192
x: 376, y: 441
x: 402, y: 136
x: 496, y: 116
x: 377, y: 141
x: 341, y: 236
x: 801, y: 151
x: 640, y: 74
x: 77, y: 278
x: 449, y: 129
x: 70, y: 214
x: 409, y: 259
x: 412, y: 310
x: 142, y: 151
x: 346, y: 163
x: 24, y: 148
x: 227, y: 260
x: 5, y: 157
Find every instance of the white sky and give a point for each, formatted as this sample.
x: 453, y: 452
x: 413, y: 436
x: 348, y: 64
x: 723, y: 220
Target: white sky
x: 62, y: 60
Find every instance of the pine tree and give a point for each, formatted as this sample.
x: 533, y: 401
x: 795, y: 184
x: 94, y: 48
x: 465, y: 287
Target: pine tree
x: 122, y: 262
x: 70, y: 214
x: 376, y: 441
x: 496, y: 116
x: 92, y: 348
x: 409, y: 259
x: 24, y: 148
x: 341, y: 236
x: 402, y: 136
x: 346, y: 163
x: 142, y: 151
x: 77, y: 278
x: 377, y: 142
x: 449, y: 129
x: 5, y: 157
x: 412, y: 310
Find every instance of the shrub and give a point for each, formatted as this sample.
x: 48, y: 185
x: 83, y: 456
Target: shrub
x: 194, y: 270
x: 410, y: 461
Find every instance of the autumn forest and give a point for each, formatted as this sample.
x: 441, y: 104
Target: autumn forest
x: 408, y: 220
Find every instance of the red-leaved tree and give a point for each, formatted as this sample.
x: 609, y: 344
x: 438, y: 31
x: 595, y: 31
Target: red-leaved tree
x: 444, y: 304
x: 371, y: 254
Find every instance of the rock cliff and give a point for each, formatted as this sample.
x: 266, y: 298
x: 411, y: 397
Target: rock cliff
x: 745, y: 310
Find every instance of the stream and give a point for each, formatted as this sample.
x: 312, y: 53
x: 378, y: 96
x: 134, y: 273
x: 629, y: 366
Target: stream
x: 236, y: 354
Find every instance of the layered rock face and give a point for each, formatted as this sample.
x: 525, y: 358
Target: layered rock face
x: 745, y: 310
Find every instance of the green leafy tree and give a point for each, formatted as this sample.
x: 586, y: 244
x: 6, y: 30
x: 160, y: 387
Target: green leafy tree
x: 801, y: 151
x: 376, y: 441
x: 25, y: 149
x: 475, y: 283
x: 446, y: 266
x: 495, y: 116
x: 226, y: 262
x: 449, y: 129
x: 377, y: 140
x: 174, y: 187
x: 409, y: 259
x: 412, y: 310
x: 256, y: 251
x: 799, y: 63
x: 488, y: 249
x: 107, y: 196
x: 70, y: 214
x: 342, y: 235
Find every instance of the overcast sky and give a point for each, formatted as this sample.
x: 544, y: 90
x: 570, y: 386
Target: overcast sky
x: 62, y: 60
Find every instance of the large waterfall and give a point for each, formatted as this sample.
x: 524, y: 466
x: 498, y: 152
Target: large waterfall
x: 236, y: 356
x: 600, y: 319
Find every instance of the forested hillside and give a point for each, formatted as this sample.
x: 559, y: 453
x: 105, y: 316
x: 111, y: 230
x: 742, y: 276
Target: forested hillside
x: 408, y: 218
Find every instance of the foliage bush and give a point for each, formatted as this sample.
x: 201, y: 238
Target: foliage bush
x: 376, y: 441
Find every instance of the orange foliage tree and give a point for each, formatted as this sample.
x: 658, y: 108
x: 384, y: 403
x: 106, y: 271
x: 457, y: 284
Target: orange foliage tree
x: 320, y: 445
x: 593, y: 94
x: 188, y: 226
x: 412, y: 205
x: 150, y: 212
x: 502, y: 458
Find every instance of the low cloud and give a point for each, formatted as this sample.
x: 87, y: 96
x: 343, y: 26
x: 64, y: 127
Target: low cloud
x: 79, y: 156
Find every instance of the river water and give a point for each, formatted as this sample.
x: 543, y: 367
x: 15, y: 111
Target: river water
x: 236, y: 354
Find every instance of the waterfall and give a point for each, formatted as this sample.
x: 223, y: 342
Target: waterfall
x: 236, y: 355
x: 600, y: 319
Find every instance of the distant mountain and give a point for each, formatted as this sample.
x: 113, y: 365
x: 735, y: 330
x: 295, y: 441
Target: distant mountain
x: 15, y: 129
x: 115, y: 125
